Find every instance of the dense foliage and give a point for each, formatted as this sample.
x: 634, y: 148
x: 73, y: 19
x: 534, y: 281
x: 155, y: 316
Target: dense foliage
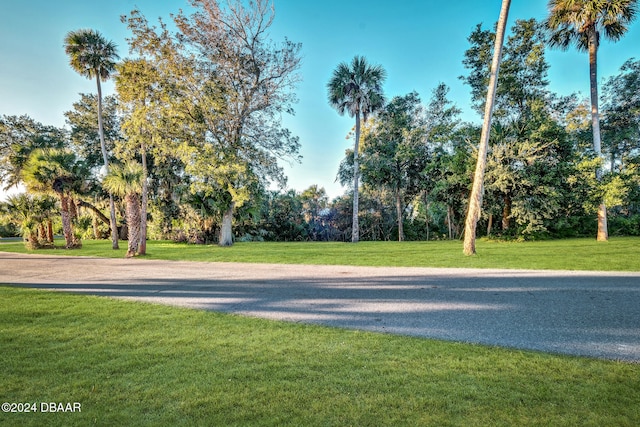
x: 194, y: 149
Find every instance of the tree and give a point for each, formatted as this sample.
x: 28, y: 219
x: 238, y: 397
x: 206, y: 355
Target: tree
x: 19, y: 137
x: 135, y: 83
x: 356, y: 89
x: 395, y: 153
x: 445, y: 176
x: 247, y: 84
x: 126, y: 181
x: 314, y: 202
x: 60, y: 172
x: 581, y: 23
x: 621, y: 111
x: 475, y: 201
x: 157, y: 93
x: 33, y: 216
x: 528, y: 149
x: 92, y: 56
x: 84, y: 135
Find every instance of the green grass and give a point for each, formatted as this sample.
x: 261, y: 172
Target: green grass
x: 618, y: 254
x: 139, y: 364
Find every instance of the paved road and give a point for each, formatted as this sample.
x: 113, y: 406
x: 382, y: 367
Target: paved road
x: 580, y: 313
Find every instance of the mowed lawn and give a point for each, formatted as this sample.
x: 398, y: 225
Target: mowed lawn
x: 618, y: 254
x: 129, y: 363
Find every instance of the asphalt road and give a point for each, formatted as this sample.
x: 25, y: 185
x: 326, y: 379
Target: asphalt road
x: 579, y: 313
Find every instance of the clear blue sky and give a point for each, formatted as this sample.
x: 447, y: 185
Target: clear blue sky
x: 419, y: 42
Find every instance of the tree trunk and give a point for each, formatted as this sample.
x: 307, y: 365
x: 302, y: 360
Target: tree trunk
x: 449, y: 225
x: 105, y: 158
x: 490, y: 224
x: 95, y: 210
x: 133, y: 224
x: 42, y: 232
x: 506, y: 214
x: 603, y: 234
x: 142, y: 246
x: 67, y: 227
x: 475, y: 201
x: 30, y: 239
x: 49, y: 231
x: 399, y: 215
x: 226, y: 234
x: 355, y: 228
x: 426, y: 213
x: 95, y: 225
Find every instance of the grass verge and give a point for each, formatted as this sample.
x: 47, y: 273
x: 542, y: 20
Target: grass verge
x: 130, y: 363
x: 618, y: 254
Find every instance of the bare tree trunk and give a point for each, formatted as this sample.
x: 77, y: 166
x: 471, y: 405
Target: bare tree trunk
x: 475, y: 201
x: 426, y: 212
x: 506, y: 214
x: 226, y: 234
x: 49, y: 231
x: 603, y: 234
x: 399, y: 215
x: 105, y: 158
x: 42, y: 232
x: 67, y: 226
x: 142, y: 246
x: 95, y: 225
x: 449, y: 227
x: 490, y: 224
x: 355, y: 228
x: 95, y: 210
x: 133, y: 224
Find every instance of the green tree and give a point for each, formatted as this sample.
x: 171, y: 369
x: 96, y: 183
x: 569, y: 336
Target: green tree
x: 475, y: 200
x: 621, y: 144
x: 395, y: 153
x: 582, y: 23
x: 126, y: 181
x: 445, y: 176
x: 247, y: 85
x: 59, y: 172
x: 32, y: 214
x: 19, y: 137
x: 314, y: 203
x: 528, y: 147
x: 356, y: 89
x: 93, y: 56
x: 621, y: 122
x: 84, y: 135
x: 161, y: 96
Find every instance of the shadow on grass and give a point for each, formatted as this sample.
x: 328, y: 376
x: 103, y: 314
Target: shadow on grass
x: 583, y: 314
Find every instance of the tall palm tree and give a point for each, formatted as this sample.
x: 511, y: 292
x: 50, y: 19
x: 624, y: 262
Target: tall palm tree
x: 56, y: 171
x: 475, y: 200
x: 581, y: 23
x: 126, y: 181
x: 92, y: 56
x: 356, y: 89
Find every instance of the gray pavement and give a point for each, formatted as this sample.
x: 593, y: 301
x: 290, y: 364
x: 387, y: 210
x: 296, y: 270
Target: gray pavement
x: 592, y: 314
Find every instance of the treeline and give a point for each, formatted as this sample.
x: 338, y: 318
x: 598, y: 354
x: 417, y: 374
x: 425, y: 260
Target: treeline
x: 185, y: 143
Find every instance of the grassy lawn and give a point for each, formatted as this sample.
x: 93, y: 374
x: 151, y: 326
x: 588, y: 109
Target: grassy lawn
x: 139, y: 364
x: 619, y: 254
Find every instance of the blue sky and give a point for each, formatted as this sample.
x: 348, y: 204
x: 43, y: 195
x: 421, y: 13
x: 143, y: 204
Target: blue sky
x: 420, y: 43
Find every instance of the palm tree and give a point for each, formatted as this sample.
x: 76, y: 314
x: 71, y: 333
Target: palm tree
x: 581, y: 23
x: 126, y: 181
x: 475, y: 200
x: 92, y: 56
x: 56, y: 171
x: 357, y: 90
x: 22, y: 210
